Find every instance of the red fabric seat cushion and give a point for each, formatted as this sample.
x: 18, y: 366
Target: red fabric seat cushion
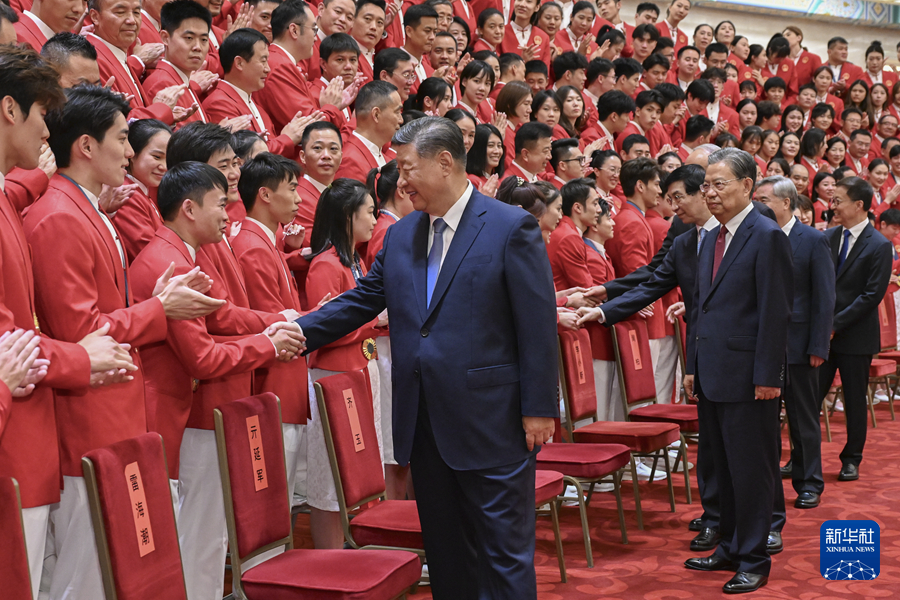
x: 893, y: 355
x: 333, y: 575
x: 389, y: 523
x: 639, y: 437
x: 683, y: 415
x: 882, y: 367
x: 586, y: 461
x: 547, y: 486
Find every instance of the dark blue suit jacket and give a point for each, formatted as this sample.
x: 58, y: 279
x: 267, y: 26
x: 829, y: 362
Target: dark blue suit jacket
x: 742, y: 316
x: 813, y: 313
x: 484, y: 354
x: 860, y: 286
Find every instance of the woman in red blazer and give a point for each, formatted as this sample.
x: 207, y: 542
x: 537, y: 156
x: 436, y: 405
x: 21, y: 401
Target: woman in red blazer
x: 547, y: 109
x: 522, y: 37
x: 475, y: 84
x: 139, y: 218
x: 485, y: 162
x: 489, y: 33
x: 345, y: 218
x: 514, y: 101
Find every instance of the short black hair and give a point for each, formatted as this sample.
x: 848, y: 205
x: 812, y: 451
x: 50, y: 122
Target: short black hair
x: 671, y: 92
x: 649, y: 97
x: 336, y: 42
x: 614, y: 102
x: 89, y: 110
x: 858, y: 190
x: 607, y: 34
x: 537, y: 66
x: 645, y: 29
x: 749, y: 85
x: 691, y: 175
x: 627, y: 67
x: 28, y: 78
x: 507, y: 60
x: 66, y: 44
x: 174, y: 13
x: 890, y: 217
x: 568, y: 61
x: 684, y: 49
x: 714, y: 73
x: 560, y: 149
x: 317, y: 126
x: 656, y: 60
x: 821, y: 109
x: 373, y: 94
x: 576, y: 191
x: 189, y: 179
x: 630, y: 140
x: 264, y: 170
x: 197, y: 141
x: 484, y: 55
x: 529, y: 133
x: 596, y: 68
x: 647, y: 7
x: 8, y: 14
x: 702, y: 90
x: 292, y: 11
x: 663, y: 43
x: 766, y: 110
x: 583, y: 5
x: 774, y: 82
x: 836, y: 40
x: 415, y: 13
x: 240, y: 43
x: 477, y: 68
x: 715, y: 48
x: 386, y: 60
x: 858, y: 132
x: 639, y: 169
x: 242, y: 142
x: 696, y: 127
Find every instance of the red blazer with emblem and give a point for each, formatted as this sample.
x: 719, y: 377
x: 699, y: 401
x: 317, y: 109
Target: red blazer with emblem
x: 727, y: 115
x: 659, y: 138
x: 785, y: 70
x: 476, y: 6
x: 806, y: 65
x: 888, y: 78
x: 271, y: 288
x: 189, y: 351
x: 225, y: 103
x: 484, y: 112
x: 29, y: 447
x: 538, y: 37
x: 24, y: 187
x: 679, y: 37
x: 632, y: 246
x: 592, y: 133
x: 27, y: 32
x: 850, y: 73
x: 164, y: 76
x: 80, y: 286
x: 357, y: 161
x: 564, y: 43
x: 137, y: 222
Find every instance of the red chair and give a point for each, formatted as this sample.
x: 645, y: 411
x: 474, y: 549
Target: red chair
x: 580, y: 396
x: 638, y: 390
x: 258, y: 514
x: 14, y: 571
x: 548, y: 488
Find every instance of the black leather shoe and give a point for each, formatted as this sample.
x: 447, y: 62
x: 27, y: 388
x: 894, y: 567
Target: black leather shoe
x: 787, y: 470
x: 745, y: 582
x: 710, y: 563
x: 807, y: 500
x: 695, y: 525
x: 774, y: 544
x: 849, y: 473
x: 707, y: 539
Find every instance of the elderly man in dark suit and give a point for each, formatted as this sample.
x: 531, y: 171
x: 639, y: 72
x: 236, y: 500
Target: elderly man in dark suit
x: 862, y: 259
x: 467, y: 284
x: 742, y: 305
x: 808, y: 336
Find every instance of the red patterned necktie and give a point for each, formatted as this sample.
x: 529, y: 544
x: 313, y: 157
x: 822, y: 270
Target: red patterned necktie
x: 720, y: 250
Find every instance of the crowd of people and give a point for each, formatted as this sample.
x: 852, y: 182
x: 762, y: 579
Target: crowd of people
x: 182, y: 181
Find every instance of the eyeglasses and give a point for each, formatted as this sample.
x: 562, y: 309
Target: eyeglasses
x: 409, y: 76
x: 835, y: 201
x: 676, y: 198
x: 582, y: 160
x: 612, y: 171
x: 719, y: 185
x: 313, y: 28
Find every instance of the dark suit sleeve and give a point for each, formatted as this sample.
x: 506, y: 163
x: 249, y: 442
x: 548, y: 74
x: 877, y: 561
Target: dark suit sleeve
x: 661, y: 281
x: 774, y: 299
x: 349, y: 311
x: 821, y: 313
x: 619, y: 286
x: 877, y: 279
x: 533, y: 303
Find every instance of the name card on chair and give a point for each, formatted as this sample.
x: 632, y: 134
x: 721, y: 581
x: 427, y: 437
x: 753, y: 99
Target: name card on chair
x: 579, y: 362
x: 882, y: 312
x: 353, y: 416
x: 139, y: 509
x: 635, y: 350
x: 257, y: 456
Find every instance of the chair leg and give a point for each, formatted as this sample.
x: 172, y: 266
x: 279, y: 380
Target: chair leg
x: 827, y: 420
x: 585, y: 528
x: 590, y: 493
x: 617, y: 481
x: 554, y: 515
x: 637, y: 495
x: 870, y: 397
x: 655, y: 462
x: 665, y: 457
x: 684, y: 464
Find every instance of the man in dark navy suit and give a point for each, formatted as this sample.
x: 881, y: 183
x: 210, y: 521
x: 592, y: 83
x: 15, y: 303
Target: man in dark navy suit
x: 469, y: 293
x: 742, y: 305
x: 862, y: 259
x: 808, y: 337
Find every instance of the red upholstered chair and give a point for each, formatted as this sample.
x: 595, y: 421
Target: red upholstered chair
x: 881, y: 372
x: 580, y: 397
x: 258, y: 514
x: 134, y: 522
x: 548, y: 488
x: 637, y: 386
x: 894, y: 388
x: 14, y: 567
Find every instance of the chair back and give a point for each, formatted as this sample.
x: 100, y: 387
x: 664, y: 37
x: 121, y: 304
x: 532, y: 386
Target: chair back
x: 134, y: 521
x: 887, y: 320
x: 14, y: 567
x: 633, y: 363
x: 250, y: 447
x: 348, y: 420
x: 577, y: 377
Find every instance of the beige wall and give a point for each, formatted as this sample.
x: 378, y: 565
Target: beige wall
x: 758, y: 28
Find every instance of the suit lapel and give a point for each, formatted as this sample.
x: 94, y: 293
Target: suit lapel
x: 172, y: 238
x: 794, y: 237
x: 705, y: 263
x: 734, y: 248
x: 857, y: 248
x: 835, y: 240
x: 420, y: 262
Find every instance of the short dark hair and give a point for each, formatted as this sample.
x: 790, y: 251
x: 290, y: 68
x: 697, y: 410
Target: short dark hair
x: 537, y: 66
x: 836, y: 40
x: 415, y: 13
x: 264, y: 170
x: 189, y: 179
x: 373, y: 95
x: 821, y: 109
x: 386, y: 60
x: 645, y: 29
x: 583, y: 5
x: 663, y: 43
x: 696, y: 127
x: 484, y: 55
x: 858, y: 190
x: 242, y: 142
x: 474, y: 69
x: 890, y: 217
x: 858, y: 132
x: 630, y: 140
x: 598, y: 67
x: 197, y: 141
x: 62, y: 46
x: 560, y: 149
x: 749, y: 85
x: 671, y: 92
x: 174, y: 13
x: 512, y: 94
x: 240, y: 43
x: 811, y: 140
x: 766, y: 110
x: 647, y: 7
x: 627, y: 67
x: 432, y: 135
x: 614, y: 102
x: 684, y: 49
x: 656, y: 60
x: 529, y: 133
x: 702, y: 90
x: 649, y: 97
x: 336, y: 42
x: 576, y: 191
x: 379, y: 3
x: 89, y: 110
x: 317, y: 126
x: 434, y: 88
x: 715, y: 48
x: 778, y: 47
x: 774, y: 82
x: 714, y: 73
x: 141, y: 131
x: 28, y: 79
x: 507, y: 60
x: 639, y: 169
x: 568, y: 61
x: 288, y: 12
x: 8, y: 14
x: 851, y: 111
x: 691, y: 175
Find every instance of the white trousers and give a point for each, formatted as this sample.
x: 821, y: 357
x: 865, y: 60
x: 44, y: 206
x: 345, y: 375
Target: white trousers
x: 77, y: 572
x: 664, y: 353
x: 387, y: 398
x: 36, y: 521
x: 297, y: 482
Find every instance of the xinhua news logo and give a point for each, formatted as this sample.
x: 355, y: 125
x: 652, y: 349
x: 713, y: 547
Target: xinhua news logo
x: 850, y: 550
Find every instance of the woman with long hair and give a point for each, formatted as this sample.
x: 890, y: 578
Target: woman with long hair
x: 778, y: 166
x: 669, y: 161
x: 138, y: 219
x: 812, y: 151
x: 857, y: 96
x: 475, y: 84
x: 345, y: 218
x: 747, y: 113
x: 576, y: 36
x: 792, y: 120
x: 751, y: 140
x: 434, y: 96
x: 462, y: 33
x: 514, y: 101
x: 546, y: 109
x: 606, y: 165
x: 821, y: 194
x: 574, y: 116
x: 790, y: 148
x: 878, y: 103
x: 768, y: 147
x: 835, y: 151
x: 485, y: 162
x: 466, y: 123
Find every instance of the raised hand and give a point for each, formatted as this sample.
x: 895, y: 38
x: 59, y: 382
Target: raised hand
x: 332, y: 93
x: 181, y: 113
x: 170, y: 95
x: 489, y: 187
x: 240, y: 22
x: 205, y: 79
x: 500, y: 121
x: 294, y: 129
x: 237, y: 123
x: 112, y: 199
x: 179, y: 300
x: 349, y: 95
x: 149, y: 53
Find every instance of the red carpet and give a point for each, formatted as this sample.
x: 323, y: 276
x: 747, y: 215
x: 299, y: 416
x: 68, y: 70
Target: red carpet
x: 650, y: 567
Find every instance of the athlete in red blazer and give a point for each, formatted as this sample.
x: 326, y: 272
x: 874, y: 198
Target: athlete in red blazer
x: 149, y: 32
x: 357, y: 160
x: 165, y: 75
x: 632, y: 246
x: 137, y: 221
x: 27, y: 32
x: 225, y: 103
x: 464, y: 10
x: 25, y: 186
x: 536, y: 37
x: 678, y: 36
x: 805, y: 65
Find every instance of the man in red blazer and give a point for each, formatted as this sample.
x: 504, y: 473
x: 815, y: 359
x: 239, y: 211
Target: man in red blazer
x: 420, y: 26
x: 844, y: 71
x: 533, y: 151
x: 81, y: 283
x: 368, y: 29
x: 339, y: 59
x: 334, y: 16
x: 150, y: 22
x: 379, y: 114
x: 320, y: 156
x: 632, y: 247
x: 47, y: 18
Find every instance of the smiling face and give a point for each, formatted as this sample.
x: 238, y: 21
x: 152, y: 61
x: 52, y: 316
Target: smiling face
x: 443, y: 52
x: 687, y: 64
x: 229, y: 164
x: 608, y: 175
x: 523, y: 10
x: 337, y: 17
x: 825, y: 189
x: 835, y: 154
x: 494, y: 152
x: 110, y: 157
x: 423, y: 180
x: 467, y: 127
x: 118, y: 22
x: 262, y: 18
x: 476, y: 89
x: 878, y: 175
x: 550, y: 21
x: 550, y: 220
x: 209, y: 216
x: 250, y: 75
x: 149, y: 166
x: 690, y: 208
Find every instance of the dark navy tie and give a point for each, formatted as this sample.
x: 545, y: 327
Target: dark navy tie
x: 844, y: 249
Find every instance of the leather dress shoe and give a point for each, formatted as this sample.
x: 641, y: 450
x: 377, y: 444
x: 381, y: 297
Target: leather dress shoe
x: 787, y: 470
x: 807, y: 500
x: 849, y: 473
x: 774, y: 544
x: 745, y: 582
x: 707, y: 539
x: 710, y: 563
x: 696, y: 525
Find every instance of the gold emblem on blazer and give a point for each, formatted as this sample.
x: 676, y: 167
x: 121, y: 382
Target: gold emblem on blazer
x: 537, y: 39
x: 804, y: 60
x: 37, y: 326
x: 784, y: 68
x: 369, y: 349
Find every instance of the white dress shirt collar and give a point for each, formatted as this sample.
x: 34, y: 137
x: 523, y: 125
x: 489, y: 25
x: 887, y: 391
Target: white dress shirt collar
x: 735, y: 222
x: 320, y: 187
x: 191, y: 251
x: 45, y: 29
x: 120, y: 54
x: 711, y: 224
x: 95, y: 202
x: 789, y: 225
x: 522, y: 33
x: 454, y: 214
x: 375, y: 150
x: 857, y: 229
x: 184, y: 77
x: 153, y: 21
x: 269, y: 233
x: 285, y: 50
x: 2, y: 183
x: 530, y: 177
x: 252, y: 107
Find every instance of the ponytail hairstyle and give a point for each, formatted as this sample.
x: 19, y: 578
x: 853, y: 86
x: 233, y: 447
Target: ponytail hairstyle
x: 334, y: 218
x: 382, y: 183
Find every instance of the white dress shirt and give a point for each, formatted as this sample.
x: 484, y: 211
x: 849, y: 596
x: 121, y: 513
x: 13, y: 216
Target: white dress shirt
x: 855, y: 232
x: 732, y: 226
x: 523, y: 34
x: 835, y: 72
x: 320, y: 187
x: 451, y: 218
x: 876, y: 78
x: 567, y: 12
x: 506, y: 4
x: 112, y: 230
x: 191, y: 251
x: 249, y: 104
x: 789, y: 225
x: 375, y: 150
x: 418, y: 67
x: 531, y: 177
x: 185, y: 78
x: 712, y: 111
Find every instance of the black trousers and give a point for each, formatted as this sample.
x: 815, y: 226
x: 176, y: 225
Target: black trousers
x: 802, y: 403
x: 478, y: 526
x: 854, y: 369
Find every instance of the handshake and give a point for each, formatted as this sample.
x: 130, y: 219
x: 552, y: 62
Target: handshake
x: 287, y: 337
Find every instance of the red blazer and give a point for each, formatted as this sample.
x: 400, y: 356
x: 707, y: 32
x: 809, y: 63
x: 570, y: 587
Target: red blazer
x: 81, y: 285
x: 564, y: 44
x: 862, y: 170
x: 328, y: 276
x: 306, y: 213
x: 20, y: 6
x: 480, y: 44
x: 785, y: 70
x: 148, y: 33
x: 744, y: 72
x: 727, y: 115
x: 630, y: 129
x: 679, y: 37
x: 364, y: 67
x: 597, y: 24
x: 850, y: 73
x: 593, y: 133
x: 632, y: 246
x: 188, y: 353
x: 484, y: 112
x: 601, y: 272
x: 515, y: 171
x: 538, y: 36
x: 137, y: 222
x: 805, y: 66
x: 213, y: 63
x: 224, y: 103
x: 659, y: 138
x: 357, y: 161
x: 888, y: 78
x: 658, y: 326
x: 29, y: 447
x: 27, y: 32
x: 476, y: 6
x: 164, y: 76
x: 271, y: 288
x: 385, y: 220
x: 464, y: 10
x: 310, y: 65
x: 24, y: 187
